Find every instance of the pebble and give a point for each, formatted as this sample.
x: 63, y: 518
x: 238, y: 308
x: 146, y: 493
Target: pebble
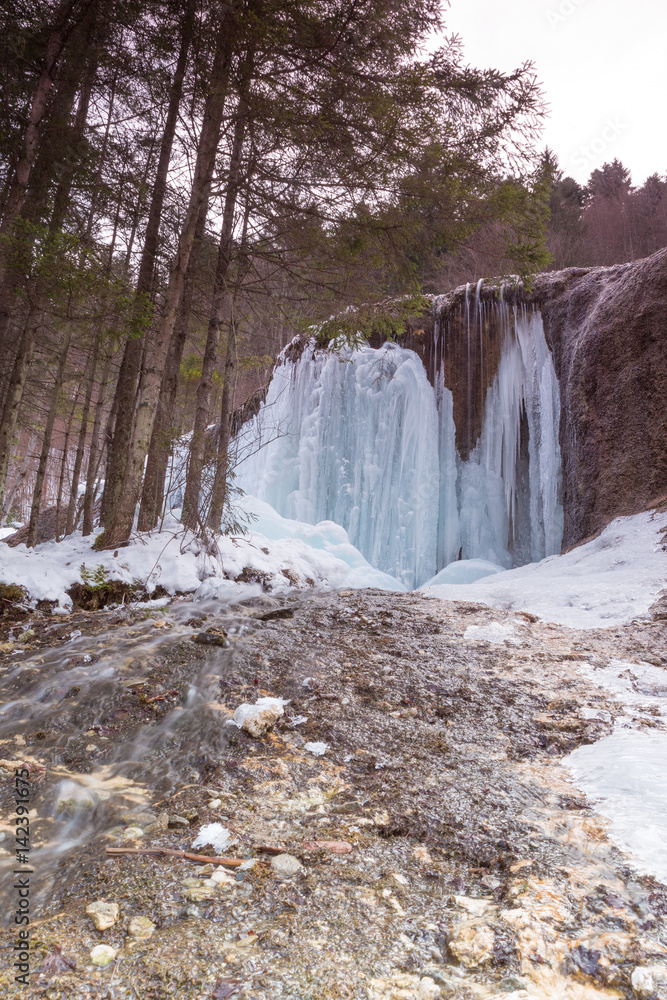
x: 133, y: 833
x: 103, y: 915
x: 286, y: 865
x: 102, y: 955
x: 428, y: 989
x: 473, y: 944
x: 650, y: 981
x: 513, y: 983
x: 174, y: 820
x: 141, y: 928
x: 138, y: 818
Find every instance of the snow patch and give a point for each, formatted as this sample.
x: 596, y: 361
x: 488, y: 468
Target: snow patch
x: 608, y: 581
x: 496, y: 633
x: 216, y: 836
x: 278, y: 554
x: 625, y: 775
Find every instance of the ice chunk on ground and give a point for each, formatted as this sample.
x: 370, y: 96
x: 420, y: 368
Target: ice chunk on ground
x: 216, y: 836
x: 319, y: 749
x: 257, y: 719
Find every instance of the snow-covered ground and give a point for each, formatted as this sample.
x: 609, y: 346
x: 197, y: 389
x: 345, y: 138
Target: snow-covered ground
x: 282, y: 552
x: 625, y: 774
x: 606, y: 582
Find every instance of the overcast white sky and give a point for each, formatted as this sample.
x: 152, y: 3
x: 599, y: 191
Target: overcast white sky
x: 603, y: 66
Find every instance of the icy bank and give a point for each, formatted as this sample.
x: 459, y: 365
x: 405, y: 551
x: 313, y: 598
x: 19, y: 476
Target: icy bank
x: 606, y: 582
x: 277, y: 553
x: 625, y: 774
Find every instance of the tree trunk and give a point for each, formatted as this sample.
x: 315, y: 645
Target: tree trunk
x: 120, y: 527
x: 126, y: 388
x: 81, y: 443
x: 19, y: 477
x: 219, y: 491
x: 14, y: 393
x: 52, y: 156
x: 164, y: 431
x: 196, y: 455
x: 63, y: 464
x: 46, y: 444
x: 59, y: 33
x: 94, y: 453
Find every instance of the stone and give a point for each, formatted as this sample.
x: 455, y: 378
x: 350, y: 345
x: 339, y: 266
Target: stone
x: 102, y: 955
x: 173, y: 820
x: 286, y: 865
x: 428, y: 989
x: 133, y: 833
x: 103, y: 915
x: 160, y: 822
x: 221, y: 877
x: 472, y: 944
x: 138, y: 818
x: 650, y: 982
x: 141, y: 928
x: 474, y: 906
x: 511, y: 984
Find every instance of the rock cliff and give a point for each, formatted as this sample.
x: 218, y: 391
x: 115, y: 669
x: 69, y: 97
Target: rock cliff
x: 607, y: 329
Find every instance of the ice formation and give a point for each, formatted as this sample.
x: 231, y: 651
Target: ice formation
x: 360, y: 437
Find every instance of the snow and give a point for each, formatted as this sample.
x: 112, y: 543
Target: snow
x: 247, y: 711
x: 279, y: 552
x: 318, y: 749
x: 216, y: 836
x: 608, y: 581
x: 495, y: 633
x: 625, y: 773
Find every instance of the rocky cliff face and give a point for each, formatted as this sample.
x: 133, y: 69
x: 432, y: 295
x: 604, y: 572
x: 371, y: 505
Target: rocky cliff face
x: 607, y: 329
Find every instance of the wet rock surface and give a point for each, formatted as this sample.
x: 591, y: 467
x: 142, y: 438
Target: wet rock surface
x: 466, y: 863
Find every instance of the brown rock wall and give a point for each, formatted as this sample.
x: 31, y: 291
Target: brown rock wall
x: 607, y: 329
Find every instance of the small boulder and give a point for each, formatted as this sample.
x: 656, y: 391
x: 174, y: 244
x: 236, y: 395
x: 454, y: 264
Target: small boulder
x: 472, y: 944
x: 103, y: 915
x: 428, y: 989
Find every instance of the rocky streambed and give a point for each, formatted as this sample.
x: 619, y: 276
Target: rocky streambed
x: 406, y: 829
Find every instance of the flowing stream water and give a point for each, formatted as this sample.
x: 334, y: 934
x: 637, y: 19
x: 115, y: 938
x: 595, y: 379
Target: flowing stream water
x: 70, y: 695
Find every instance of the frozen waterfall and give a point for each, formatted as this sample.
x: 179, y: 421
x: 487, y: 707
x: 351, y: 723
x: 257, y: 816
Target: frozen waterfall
x: 362, y: 438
